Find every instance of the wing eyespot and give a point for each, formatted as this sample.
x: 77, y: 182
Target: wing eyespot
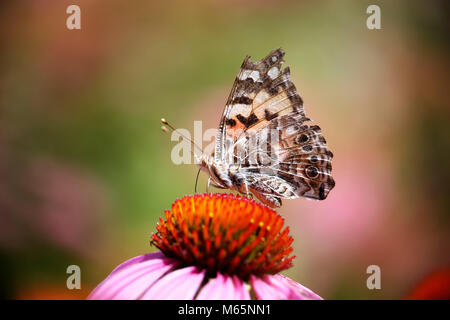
x: 313, y: 159
x: 312, y: 172
x: 301, y: 139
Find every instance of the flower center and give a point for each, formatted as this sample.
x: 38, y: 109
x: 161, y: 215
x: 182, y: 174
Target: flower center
x: 226, y: 233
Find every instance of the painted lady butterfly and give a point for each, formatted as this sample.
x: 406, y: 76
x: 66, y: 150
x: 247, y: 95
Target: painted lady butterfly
x: 265, y: 144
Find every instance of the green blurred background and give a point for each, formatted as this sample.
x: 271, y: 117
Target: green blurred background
x: 85, y: 170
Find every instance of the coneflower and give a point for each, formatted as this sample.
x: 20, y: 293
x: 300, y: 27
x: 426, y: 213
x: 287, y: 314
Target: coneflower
x: 212, y: 246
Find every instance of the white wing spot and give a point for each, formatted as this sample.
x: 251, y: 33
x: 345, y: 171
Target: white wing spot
x: 254, y: 74
x: 242, y: 109
x: 291, y: 130
x: 273, y: 72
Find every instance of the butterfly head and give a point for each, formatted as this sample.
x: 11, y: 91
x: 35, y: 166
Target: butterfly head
x: 205, y: 162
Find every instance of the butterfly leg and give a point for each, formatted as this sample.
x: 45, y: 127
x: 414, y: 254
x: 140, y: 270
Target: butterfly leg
x: 210, y: 183
x: 247, y: 192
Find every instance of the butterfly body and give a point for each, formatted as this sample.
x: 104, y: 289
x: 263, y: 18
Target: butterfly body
x: 265, y: 145
x: 225, y: 176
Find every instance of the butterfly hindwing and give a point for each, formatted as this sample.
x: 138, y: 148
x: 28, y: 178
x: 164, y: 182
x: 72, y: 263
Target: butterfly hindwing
x: 300, y: 158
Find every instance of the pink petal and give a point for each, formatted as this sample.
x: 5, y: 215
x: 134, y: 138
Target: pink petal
x: 141, y: 258
x: 278, y: 287
x: 241, y: 289
x: 304, y: 291
x: 134, y: 276
x: 181, y: 284
x: 224, y: 287
x: 139, y: 285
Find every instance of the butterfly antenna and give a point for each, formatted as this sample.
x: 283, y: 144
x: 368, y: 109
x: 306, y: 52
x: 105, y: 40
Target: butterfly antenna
x: 165, y: 129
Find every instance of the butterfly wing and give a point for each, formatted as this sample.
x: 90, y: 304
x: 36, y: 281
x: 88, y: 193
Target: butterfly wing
x: 260, y: 93
x: 264, y: 129
x: 297, y: 162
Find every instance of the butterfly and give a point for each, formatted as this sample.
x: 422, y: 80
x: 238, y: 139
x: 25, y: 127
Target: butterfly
x: 265, y: 144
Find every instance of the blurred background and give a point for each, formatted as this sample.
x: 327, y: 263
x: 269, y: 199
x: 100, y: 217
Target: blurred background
x: 85, y: 170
